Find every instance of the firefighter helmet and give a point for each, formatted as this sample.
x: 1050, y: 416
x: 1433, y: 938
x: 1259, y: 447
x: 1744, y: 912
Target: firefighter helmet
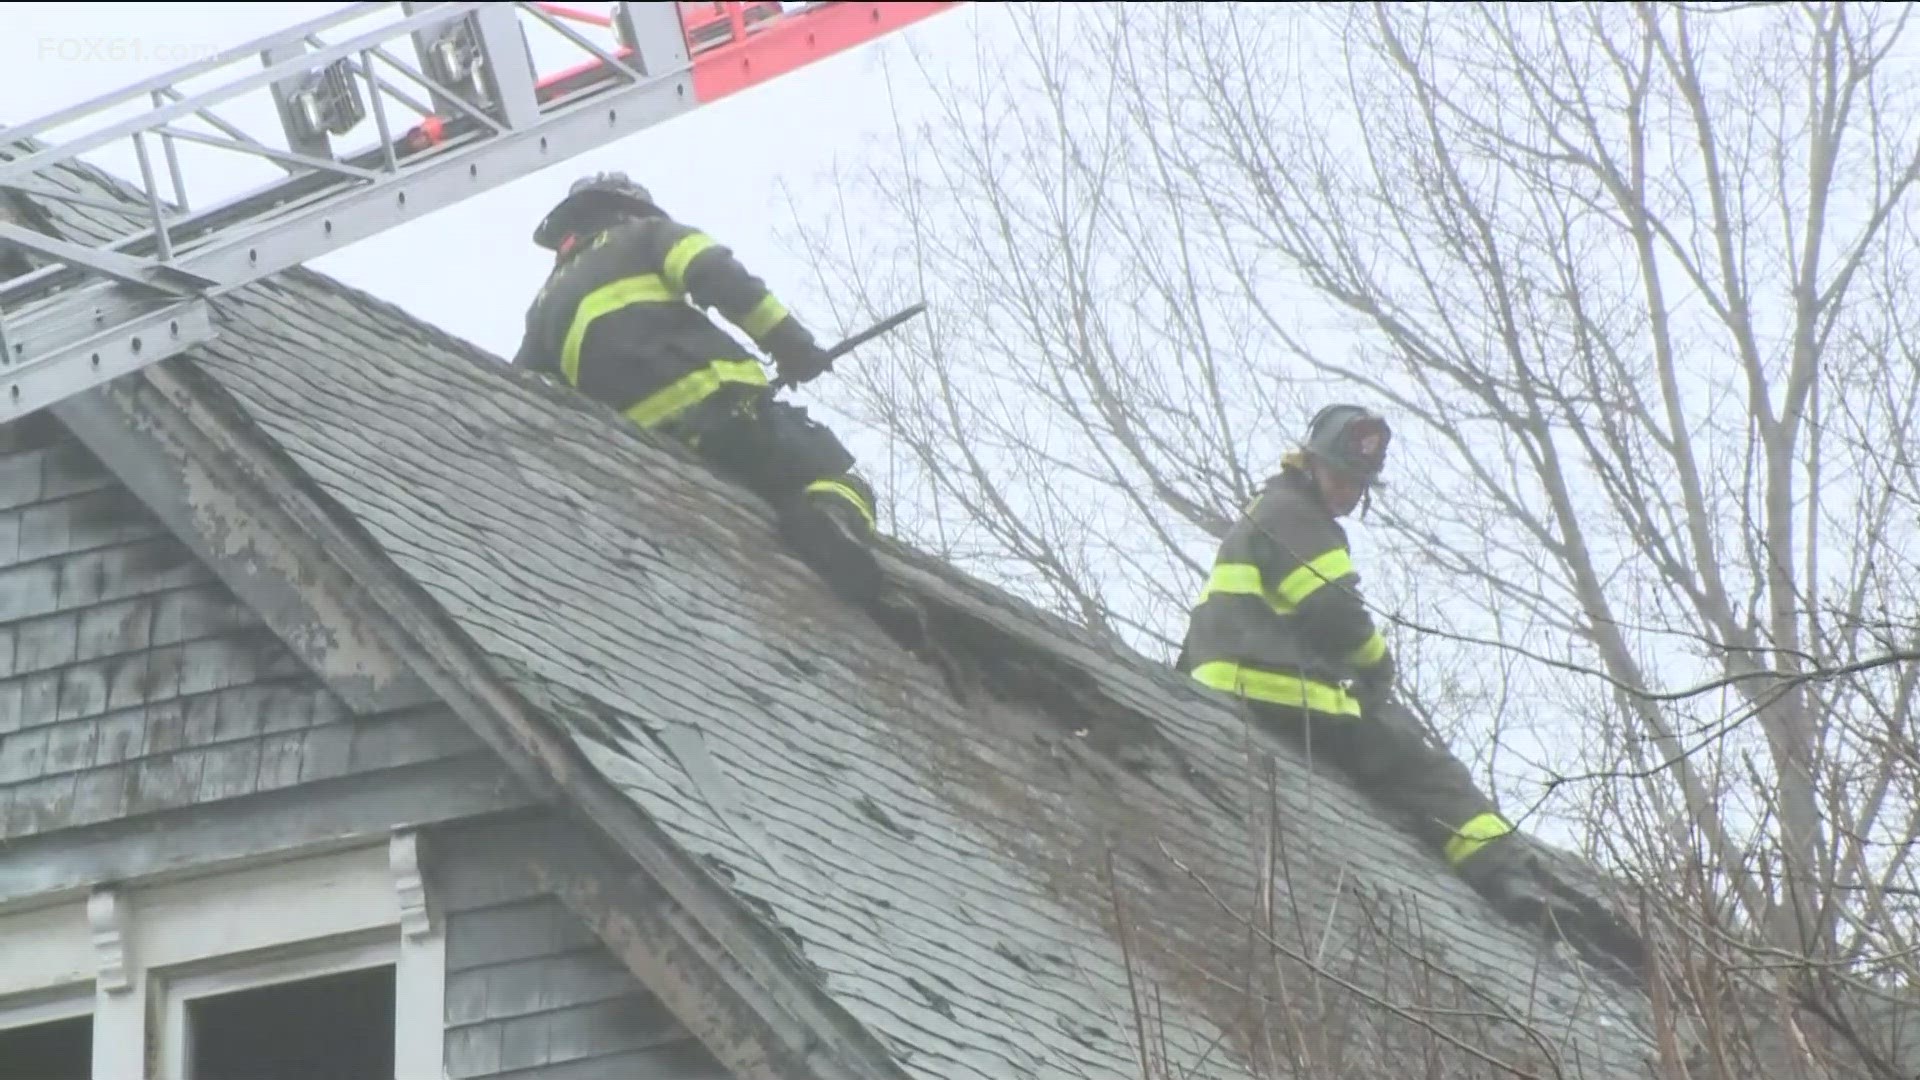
x: 1351, y: 439
x: 588, y: 196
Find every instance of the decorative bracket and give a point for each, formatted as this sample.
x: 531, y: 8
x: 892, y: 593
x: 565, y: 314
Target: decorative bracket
x: 403, y: 855
x: 105, y: 920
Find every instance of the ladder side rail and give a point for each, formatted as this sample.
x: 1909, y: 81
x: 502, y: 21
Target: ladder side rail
x: 170, y: 231
x: 218, y: 257
x: 291, y: 68
x: 130, y: 311
x: 165, y: 277
x: 256, y: 249
x: 771, y: 48
x: 382, y: 158
x: 167, y: 79
x: 58, y: 347
x: 706, y: 74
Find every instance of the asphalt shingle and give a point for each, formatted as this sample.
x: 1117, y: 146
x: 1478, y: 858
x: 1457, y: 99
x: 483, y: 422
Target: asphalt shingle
x: 939, y: 856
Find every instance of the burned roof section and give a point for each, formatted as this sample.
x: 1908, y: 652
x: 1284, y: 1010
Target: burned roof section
x: 1013, y: 852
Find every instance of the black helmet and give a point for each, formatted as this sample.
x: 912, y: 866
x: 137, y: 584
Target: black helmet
x: 1351, y: 439
x: 588, y: 195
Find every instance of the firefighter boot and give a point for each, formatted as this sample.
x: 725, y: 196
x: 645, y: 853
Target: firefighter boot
x: 1507, y: 873
x: 1524, y: 885
x: 829, y: 525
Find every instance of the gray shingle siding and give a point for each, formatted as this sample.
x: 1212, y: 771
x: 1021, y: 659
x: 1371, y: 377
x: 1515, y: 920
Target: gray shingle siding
x: 131, y: 680
x: 531, y: 993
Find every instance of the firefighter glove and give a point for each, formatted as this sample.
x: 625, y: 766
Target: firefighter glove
x: 796, y: 356
x: 801, y: 363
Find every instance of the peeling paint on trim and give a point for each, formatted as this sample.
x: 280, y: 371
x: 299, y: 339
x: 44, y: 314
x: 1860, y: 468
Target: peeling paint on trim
x: 210, y: 495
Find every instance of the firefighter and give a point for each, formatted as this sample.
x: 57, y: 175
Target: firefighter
x: 614, y: 321
x: 1282, y: 624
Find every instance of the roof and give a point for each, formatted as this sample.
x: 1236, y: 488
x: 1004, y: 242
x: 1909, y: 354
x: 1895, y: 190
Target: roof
x: 922, y: 843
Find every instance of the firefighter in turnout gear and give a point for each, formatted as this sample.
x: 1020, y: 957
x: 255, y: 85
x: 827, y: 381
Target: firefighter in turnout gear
x: 1281, y: 623
x: 620, y: 319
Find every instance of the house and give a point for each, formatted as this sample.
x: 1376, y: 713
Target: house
x: 373, y: 709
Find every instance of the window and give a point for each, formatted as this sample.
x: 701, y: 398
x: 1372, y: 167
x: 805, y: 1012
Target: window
x: 325, y: 1016
x: 48, y: 1038
x: 326, y: 967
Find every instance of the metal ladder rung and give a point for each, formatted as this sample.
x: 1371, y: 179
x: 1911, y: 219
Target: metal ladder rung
x: 93, y: 312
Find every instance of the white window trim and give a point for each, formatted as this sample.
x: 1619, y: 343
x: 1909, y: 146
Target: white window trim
x: 175, y: 992
x: 46, y: 1007
x: 133, y: 954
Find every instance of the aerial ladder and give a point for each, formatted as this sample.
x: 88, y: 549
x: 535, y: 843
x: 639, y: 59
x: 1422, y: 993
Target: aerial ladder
x: 471, y: 109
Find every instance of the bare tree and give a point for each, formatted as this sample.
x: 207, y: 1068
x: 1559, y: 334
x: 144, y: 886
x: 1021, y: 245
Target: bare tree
x: 1099, y: 381
x: 1631, y: 279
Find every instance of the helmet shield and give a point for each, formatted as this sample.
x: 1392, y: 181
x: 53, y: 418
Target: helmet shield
x: 1351, y: 440
x: 588, y: 198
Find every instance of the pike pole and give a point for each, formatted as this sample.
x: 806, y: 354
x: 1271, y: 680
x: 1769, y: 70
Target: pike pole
x: 885, y: 325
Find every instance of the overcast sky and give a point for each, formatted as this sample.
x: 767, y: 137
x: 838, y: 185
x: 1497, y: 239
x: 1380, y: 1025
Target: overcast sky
x: 471, y: 268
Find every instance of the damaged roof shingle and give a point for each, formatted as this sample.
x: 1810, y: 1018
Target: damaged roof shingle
x: 948, y: 860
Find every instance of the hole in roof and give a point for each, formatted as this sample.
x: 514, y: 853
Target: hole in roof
x: 401, y: 199
x: 613, y: 115
x: 473, y: 170
x: 134, y: 345
x: 174, y: 327
x: 96, y: 359
x: 543, y: 144
x: 327, y: 227
x: 253, y: 255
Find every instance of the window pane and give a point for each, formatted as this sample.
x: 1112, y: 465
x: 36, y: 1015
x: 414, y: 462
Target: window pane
x: 61, y: 1050
x: 337, y: 1027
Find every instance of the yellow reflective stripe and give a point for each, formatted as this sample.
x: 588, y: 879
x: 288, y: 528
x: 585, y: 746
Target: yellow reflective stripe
x: 691, y: 389
x: 836, y: 488
x: 646, y: 288
x: 1240, y: 579
x: 764, y: 317
x: 1322, y: 568
x: 1243, y: 579
x: 1370, y: 651
x: 1275, y: 688
x: 1474, y: 835
x: 680, y: 257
